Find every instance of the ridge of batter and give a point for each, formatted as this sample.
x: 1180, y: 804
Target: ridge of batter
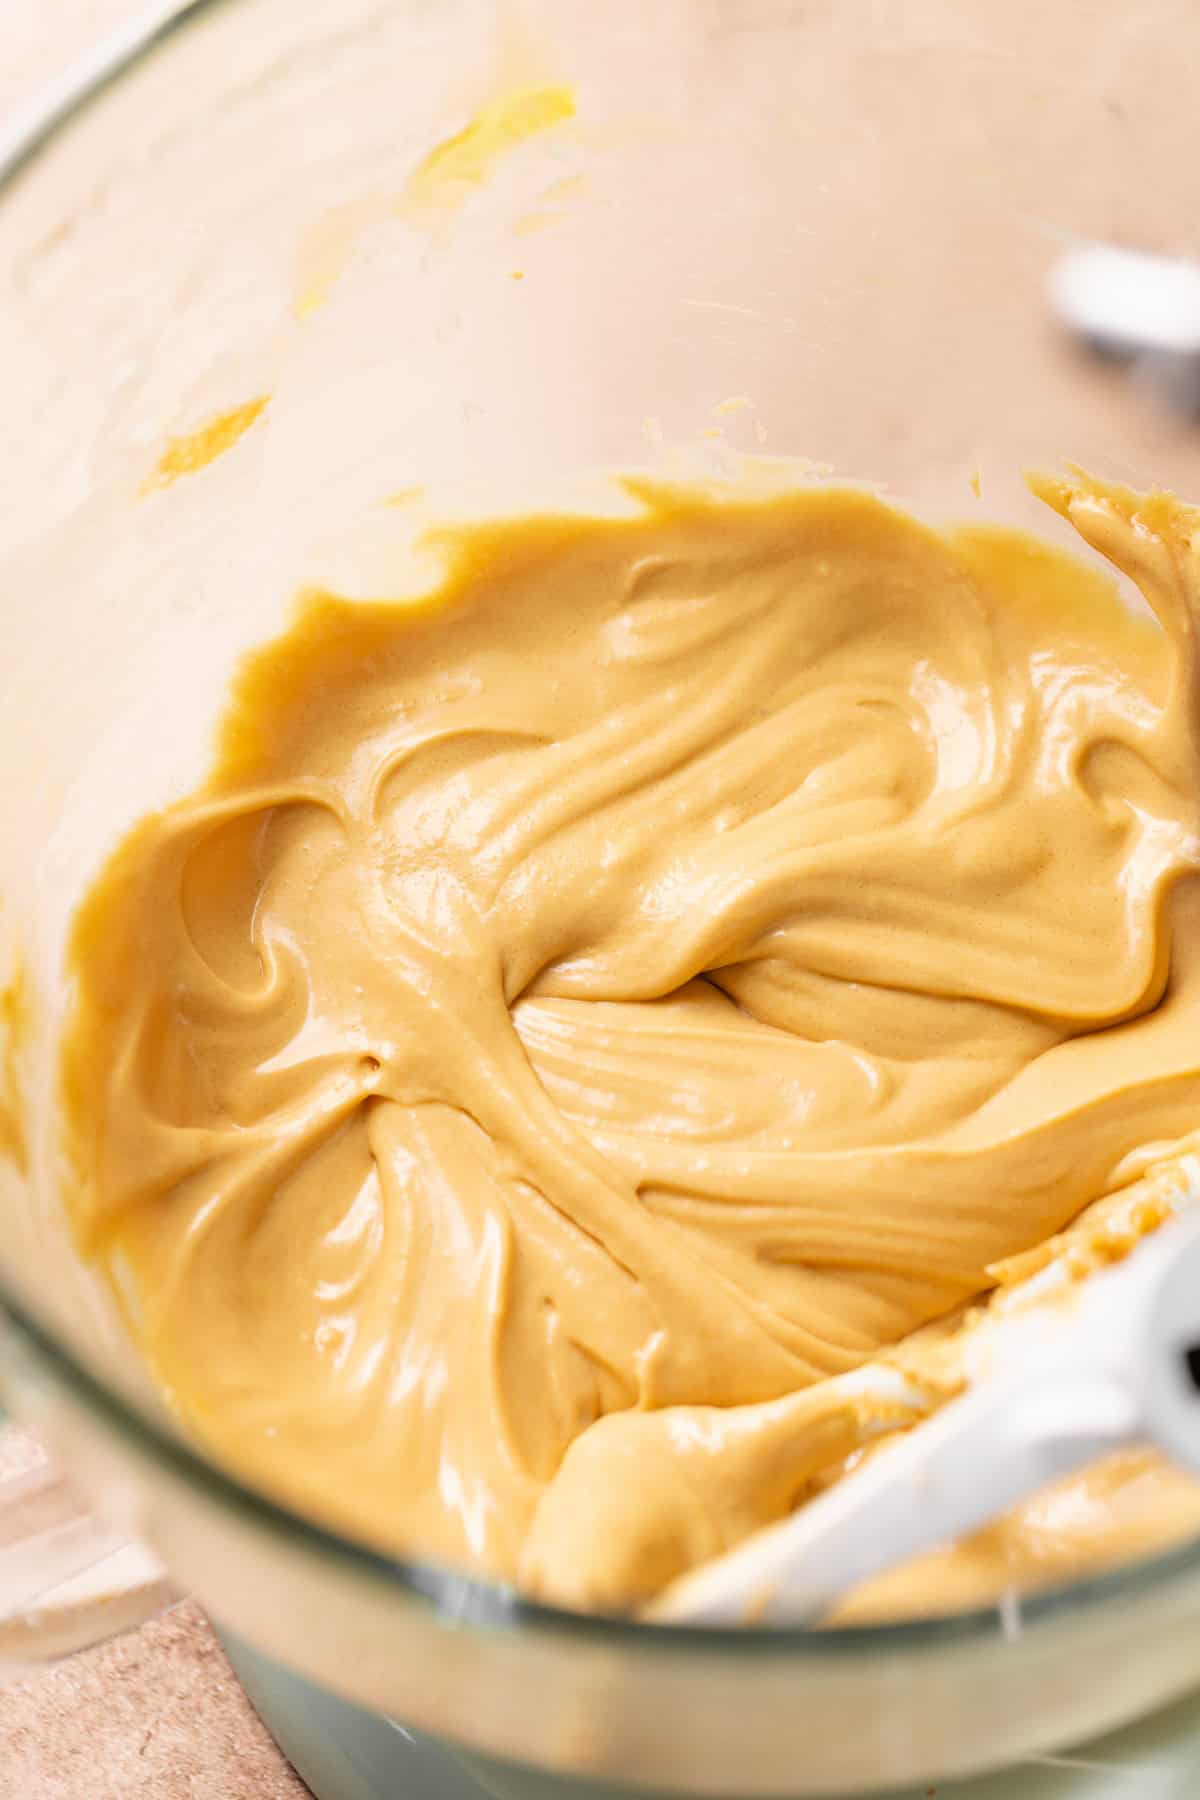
x: 591, y: 1007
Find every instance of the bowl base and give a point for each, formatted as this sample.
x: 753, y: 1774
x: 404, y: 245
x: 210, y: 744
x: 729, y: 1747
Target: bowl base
x: 345, y: 1753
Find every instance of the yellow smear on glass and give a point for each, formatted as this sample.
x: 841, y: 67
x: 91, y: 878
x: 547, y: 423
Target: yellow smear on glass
x: 14, y: 1027
x: 552, y: 204
x: 437, y: 187
x: 196, y: 449
x: 328, y: 246
x: 464, y: 162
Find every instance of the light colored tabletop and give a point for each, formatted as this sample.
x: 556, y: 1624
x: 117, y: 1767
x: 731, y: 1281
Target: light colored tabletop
x: 156, y: 1715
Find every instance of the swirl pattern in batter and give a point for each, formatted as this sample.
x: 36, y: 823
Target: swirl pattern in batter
x: 591, y: 1008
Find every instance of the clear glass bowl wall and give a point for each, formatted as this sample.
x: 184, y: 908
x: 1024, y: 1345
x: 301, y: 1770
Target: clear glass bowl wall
x: 840, y: 217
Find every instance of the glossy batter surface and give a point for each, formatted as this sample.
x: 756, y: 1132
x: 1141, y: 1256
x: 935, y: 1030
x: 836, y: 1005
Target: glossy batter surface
x: 592, y: 1006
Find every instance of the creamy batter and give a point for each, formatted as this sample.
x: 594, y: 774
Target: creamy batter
x: 591, y: 1008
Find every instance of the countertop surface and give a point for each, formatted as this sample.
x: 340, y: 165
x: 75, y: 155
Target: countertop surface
x: 156, y: 1715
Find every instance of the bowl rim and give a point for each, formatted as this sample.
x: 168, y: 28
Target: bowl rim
x: 455, y: 1597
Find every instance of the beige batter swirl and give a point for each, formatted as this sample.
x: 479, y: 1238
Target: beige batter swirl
x: 591, y: 1007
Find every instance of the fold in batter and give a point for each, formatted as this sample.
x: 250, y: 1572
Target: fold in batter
x: 589, y: 1008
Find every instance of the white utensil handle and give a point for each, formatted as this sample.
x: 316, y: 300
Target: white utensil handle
x: 1166, y: 1376
x: 1114, y: 1363
x: 979, y: 1456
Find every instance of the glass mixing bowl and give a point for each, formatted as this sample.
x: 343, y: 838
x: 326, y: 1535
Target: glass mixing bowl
x: 656, y: 232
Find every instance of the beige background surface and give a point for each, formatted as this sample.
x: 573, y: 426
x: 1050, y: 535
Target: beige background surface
x: 157, y: 1715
